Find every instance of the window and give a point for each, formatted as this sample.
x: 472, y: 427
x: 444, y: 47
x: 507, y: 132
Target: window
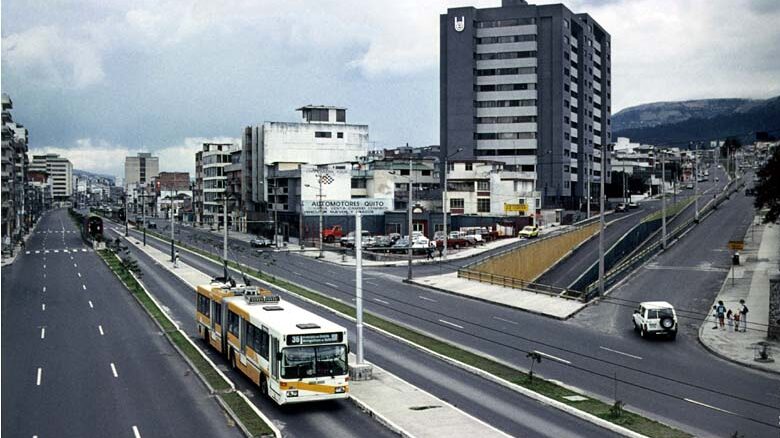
x: 504, y: 87
x: 506, y: 39
x: 450, y: 166
x: 505, y: 135
x: 566, y: 135
x: 320, y: 361
x: 483, y: 205
x: 505, y: 119
x: 426, y: 173
x: 218, y: 313
x: 483, y: 186
x: 469, y: 166
x: 322, y: 134
x: 341, y: 115
x: 405, y: 172
x: 339, y: 135
x: 393, y: 228
x: 203, y: 305
x: 505, y: 23
x: 457, y: 203
x: 318, y: 115
x: 504, y: 103
x: 358, y: 183
x: 257, y: 340
x: 233, y: 323
x: 506, y: 71
x: 504, y: 55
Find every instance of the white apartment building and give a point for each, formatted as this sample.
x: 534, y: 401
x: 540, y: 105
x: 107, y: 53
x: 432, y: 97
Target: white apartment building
x: 141, y: 169
x: 60, y: 172
x: 211, y: 181
x: 486, y: 188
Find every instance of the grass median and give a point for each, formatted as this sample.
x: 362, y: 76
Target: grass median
x: 614, y: 413
x: 255, y: 425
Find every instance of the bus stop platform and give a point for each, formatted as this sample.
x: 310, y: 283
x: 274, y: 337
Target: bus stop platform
x: 400, y: 406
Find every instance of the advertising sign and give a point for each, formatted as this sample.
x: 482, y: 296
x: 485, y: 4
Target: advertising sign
x: 331, y: 207
x: 522, y: 208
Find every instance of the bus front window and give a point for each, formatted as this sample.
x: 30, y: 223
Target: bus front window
x: 322, y: 361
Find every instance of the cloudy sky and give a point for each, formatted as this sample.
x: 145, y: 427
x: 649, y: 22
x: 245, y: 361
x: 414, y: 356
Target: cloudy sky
x: 96, y: 80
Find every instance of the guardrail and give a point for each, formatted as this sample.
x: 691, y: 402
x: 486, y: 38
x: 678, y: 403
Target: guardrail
x: 516, y: 283
x: 643, y: 254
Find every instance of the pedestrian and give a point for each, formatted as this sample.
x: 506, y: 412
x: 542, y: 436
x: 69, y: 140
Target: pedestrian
x: 743, y: 315
x: 730, y: 320
x: 736, y: 321
x: 721, y: 311
x: 176, y: 260
x: 430, y: 252
x: 715, y: 316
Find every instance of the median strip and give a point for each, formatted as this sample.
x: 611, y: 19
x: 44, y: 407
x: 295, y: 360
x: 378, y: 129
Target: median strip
x: 631, y: 423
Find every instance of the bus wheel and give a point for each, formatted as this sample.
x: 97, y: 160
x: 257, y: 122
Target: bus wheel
x: 263, y: 385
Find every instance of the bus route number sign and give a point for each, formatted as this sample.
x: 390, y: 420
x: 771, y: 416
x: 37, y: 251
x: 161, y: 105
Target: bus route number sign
x: 315, y: 338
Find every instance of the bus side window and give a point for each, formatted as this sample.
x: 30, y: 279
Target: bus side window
x: 233, y: 320
x: 274, y: 358
x: 217, y: 313
x: 263, y: 341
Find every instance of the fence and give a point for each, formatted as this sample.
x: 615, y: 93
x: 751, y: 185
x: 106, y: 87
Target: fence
x: 516, y: 283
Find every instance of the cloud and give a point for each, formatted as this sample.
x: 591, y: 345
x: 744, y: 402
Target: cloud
x: 101, y: 157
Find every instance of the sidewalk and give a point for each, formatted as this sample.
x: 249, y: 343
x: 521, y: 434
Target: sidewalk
x: 539, y: 303
x: 402, y: 407
x: 760, y: 259
x: 7, y: 260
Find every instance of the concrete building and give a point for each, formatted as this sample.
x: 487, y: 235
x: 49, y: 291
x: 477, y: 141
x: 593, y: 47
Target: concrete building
x: 141, y: 169
x: 487, y: 188
x: 323, y: 136
x: 60, y: 170
x: 528, y: 86
x: 210, y: 183
x: 15, y: 164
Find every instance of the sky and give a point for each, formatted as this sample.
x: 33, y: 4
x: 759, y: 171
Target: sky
x: 97, y: 80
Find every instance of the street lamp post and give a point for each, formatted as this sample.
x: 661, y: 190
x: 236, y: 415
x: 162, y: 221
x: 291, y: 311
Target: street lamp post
x: 224, y: 236
x: 127, y: 227
x: 409, y: 250
x: 588, y: 160
x: 143, y: 213
x: 696, y: 184
x: 604, y: 152
x: 444, y: 203
x: 663, y: 199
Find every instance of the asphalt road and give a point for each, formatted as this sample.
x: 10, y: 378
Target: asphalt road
x: 500, y: 407
x: 657, y: 384
x: 81, y: 358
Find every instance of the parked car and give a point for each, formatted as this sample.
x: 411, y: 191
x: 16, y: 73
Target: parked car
x: 151, y: 225
x: 655, y: 318
x: 260, y: 242
x: 633, y: 204
x: 349, y: 240
x: 689, y: 186
x: 394, y: 237
x: 621, y: 207
x: 529, y: 231
x: 331, y: 234
x: 382, y: 242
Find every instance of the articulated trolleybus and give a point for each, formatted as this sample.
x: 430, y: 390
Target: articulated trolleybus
x: 293, y: 355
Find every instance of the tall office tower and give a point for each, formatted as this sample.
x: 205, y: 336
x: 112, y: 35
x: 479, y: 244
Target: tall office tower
x: 528, y: 86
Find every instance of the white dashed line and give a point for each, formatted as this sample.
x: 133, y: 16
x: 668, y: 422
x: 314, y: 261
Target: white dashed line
x: 56, y: 251
x: 708, y: 406
x: 332, y: 285
x: 37, y: 251
x: 451, y: 323
x: 75, y: 265
x: 44, y: 288
x: 43, y: 332
x: 83, y: 250
x: 296, y: 273
x: 100, y: 328
x: 38, y: 379
x: 620, y: 352
x: 78, y: 273
x: 381, y: 301
x: 505, y: 320
x: 113, y: 370
x: 550, y: 356
x: 90, y: 304
x: 45, y: 251
x: 27, y: 252
x: 136, y: 433
x: 43, y: 307
x: 84, y: 287
x: 427, y: 299
x: 372, y: 283
x: 44, y: 266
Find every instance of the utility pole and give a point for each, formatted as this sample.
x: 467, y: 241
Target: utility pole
x: 663, y: 199
x: 409, y: 250
x: 587, y: 179
x: 359, y: 285
x: 170, y: 210
x: 319, y: 179
x: 444, y: 201
x: 127, y: 226
x: 143, y: 212
x: 696, y: 184
x: 225, y: 237
x: 601, y: 219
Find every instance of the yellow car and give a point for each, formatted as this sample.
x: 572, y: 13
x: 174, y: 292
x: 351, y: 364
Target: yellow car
x: 529, y: 232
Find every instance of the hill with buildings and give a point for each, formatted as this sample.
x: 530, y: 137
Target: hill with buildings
x: 677, y: 123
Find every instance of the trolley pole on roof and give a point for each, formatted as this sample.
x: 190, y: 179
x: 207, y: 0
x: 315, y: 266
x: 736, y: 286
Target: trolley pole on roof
x: 359, y: 285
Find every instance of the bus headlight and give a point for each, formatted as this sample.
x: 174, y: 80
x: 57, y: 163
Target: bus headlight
x: 292, y: 393
x: 340, y: 390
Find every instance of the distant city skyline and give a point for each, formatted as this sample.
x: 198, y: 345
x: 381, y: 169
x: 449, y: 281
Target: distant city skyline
x: 100, y: 81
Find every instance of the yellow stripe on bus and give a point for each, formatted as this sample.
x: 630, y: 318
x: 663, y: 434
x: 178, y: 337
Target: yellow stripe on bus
x: 240, y: 312
x: 303, y: 386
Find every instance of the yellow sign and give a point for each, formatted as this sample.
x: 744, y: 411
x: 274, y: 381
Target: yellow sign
x: 516, y: 207
x: 736, y: 245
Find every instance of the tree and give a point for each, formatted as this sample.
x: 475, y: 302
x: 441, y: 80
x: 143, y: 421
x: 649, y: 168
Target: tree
x: 768, y: 188
x: 729, y: 146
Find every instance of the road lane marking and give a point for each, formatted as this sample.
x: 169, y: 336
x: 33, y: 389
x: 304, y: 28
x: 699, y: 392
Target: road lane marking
x: 43, y: 332
x: 43, y: 307
x: 620, y: 352
x: 37, y: 251
x: 90, y: 304
x: 451, y: 323
x: 44, y: 288
x: 83, y: 250
x: 296, y: 273
x: 715, y: 408
x: 65, y: 250
x: 427, y: 299
x: 136, y: 433
x: 100, y: 328
x: 550, y: 356
x: 75, y: 265
x: 506, y: 320
x: 38, y: 379
x: 27, y: 252
x: 56, y: 251
x: 84, y: 287
x: 44, y: 266
x: 45, y: 251
x: 372, y: 283
x: 332, y: 285
x: 79, y: 274
x: 381, y: 301
x: 113, y: 370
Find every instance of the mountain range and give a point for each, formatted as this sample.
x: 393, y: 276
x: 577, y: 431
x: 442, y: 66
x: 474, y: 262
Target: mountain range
x: 678, y: 123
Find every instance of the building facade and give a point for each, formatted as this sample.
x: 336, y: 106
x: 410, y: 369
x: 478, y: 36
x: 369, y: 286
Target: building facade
x: 141, y: 169
x: 528, y: 86
x: 60, y: 171
x: 14, y: 173
x: 211, y: 182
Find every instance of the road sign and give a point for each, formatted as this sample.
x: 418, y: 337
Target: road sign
x: 330, y: 207
x: 523, y: 208
x: 736, y: 245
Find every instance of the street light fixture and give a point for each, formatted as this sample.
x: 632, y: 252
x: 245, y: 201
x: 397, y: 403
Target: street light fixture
x: 319, y: 197
x: 224, y: 198
x: 444, y: 203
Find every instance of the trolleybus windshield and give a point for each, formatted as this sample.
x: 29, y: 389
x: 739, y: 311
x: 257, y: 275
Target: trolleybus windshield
x: 320, y: 361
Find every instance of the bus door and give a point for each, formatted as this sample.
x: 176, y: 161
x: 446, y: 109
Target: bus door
x: 275, y: 358
x: 242, y: 326
x: 223, y: 325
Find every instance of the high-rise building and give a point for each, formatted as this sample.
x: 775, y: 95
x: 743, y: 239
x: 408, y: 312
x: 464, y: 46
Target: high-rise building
x: 528, y: 86
x: 211, y: 182
x: 60, y: 171
x: 140, y: 170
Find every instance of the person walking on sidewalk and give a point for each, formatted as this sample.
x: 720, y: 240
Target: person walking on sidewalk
x: 729, y: 320
x: 721, y: 311
x: 743, y: 315
x: 715, y: 316
x: 736, y: 322
x: 176, y: 260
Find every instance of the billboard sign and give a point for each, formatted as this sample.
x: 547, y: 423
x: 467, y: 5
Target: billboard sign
x: 348, y: 207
